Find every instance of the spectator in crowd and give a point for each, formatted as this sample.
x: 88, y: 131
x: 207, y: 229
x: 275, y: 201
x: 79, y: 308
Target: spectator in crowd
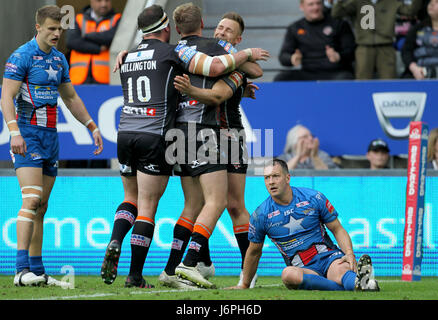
x: 422, y: 13
x: 378, y: 154
x: 302, y: 151
x: 90, y: 41
x: 420, y: 51
x: 432, y: 149
x: 374, y: 25
x: 322, y: 46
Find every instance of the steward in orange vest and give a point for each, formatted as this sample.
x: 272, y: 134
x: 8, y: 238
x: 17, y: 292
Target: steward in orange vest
x: 89, y: 43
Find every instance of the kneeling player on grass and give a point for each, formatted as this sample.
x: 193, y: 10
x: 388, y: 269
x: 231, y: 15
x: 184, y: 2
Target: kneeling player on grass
x: 294, y: 218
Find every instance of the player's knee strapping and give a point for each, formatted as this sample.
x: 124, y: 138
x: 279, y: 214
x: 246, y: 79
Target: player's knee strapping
x: 31, y: 199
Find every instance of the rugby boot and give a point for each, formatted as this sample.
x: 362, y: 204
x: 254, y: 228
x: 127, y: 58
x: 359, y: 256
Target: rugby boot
x: 27, y: 278
x: 192, y: 274
x: 139, y: 283
x: 108, y: 270
x: 364, y: 280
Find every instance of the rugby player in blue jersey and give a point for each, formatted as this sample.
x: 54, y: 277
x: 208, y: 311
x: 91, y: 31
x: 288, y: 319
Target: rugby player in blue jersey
x: 35, y: 74
x: 295, y: 220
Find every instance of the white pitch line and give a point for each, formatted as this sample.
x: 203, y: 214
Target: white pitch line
x: 139, y: 292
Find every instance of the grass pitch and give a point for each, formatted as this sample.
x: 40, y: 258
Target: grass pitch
x: 267, y: 288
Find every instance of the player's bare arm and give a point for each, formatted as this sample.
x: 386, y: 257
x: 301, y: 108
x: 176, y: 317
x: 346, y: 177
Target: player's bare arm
x: 251, y: 69
x: 252, y: 258
x: 76, y: 106
x: 226, y: 63
x: 344, y: 242
x: 214, y: 96
x: 203, y: 64
x: 9, y: 91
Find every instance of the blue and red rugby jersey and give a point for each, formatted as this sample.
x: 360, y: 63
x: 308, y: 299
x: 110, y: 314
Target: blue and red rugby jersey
x: 295, y: 227
x: 41, y: 73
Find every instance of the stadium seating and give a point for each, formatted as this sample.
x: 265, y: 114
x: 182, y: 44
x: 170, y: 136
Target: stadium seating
x: 265, y: 25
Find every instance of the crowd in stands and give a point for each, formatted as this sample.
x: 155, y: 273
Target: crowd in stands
x: 332, y: 41
x: 357, y: 39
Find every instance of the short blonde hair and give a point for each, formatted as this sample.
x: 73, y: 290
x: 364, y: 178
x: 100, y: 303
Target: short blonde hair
x: 433, y: 137
x: 187, y: 17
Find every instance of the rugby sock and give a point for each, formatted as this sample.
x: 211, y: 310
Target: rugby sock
x: 181, y: 235
x: 315, y: 282
x: 205, y: 254
x: 36, y: 265
x: 141, y: 239
x: 200, y: 236
x: 348, y: 280
x: 124, y: 219
x: 22, y: 261
x: 241, y: 234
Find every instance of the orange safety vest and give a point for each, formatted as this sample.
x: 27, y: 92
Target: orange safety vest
x: 80, y: 62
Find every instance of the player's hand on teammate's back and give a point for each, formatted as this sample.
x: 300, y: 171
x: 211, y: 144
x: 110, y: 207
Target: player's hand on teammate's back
x: 18, y: 145
x: 98, y: 142
x: 119, y: 60
x: 182, y: 84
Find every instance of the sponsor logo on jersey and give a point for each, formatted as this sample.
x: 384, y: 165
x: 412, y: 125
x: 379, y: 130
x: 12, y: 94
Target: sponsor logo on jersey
x: 142, y: 46
x: 308, y: 211
x: 149, y: 112
x: 185, y: 54
x: 37, y: 58
x: 140, y: 55
x: 186, y: 104
x: 273, y: 214
x: 302, y: 204
x: 329, y: 206
x: 228, y: 47
x: 10, y: 67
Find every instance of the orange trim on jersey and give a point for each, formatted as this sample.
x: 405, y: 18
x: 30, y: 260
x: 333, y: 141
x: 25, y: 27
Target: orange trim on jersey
x: 241, y: 228
x: 146, y: 219
x: 202, y: 229
x: 186, y: 223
